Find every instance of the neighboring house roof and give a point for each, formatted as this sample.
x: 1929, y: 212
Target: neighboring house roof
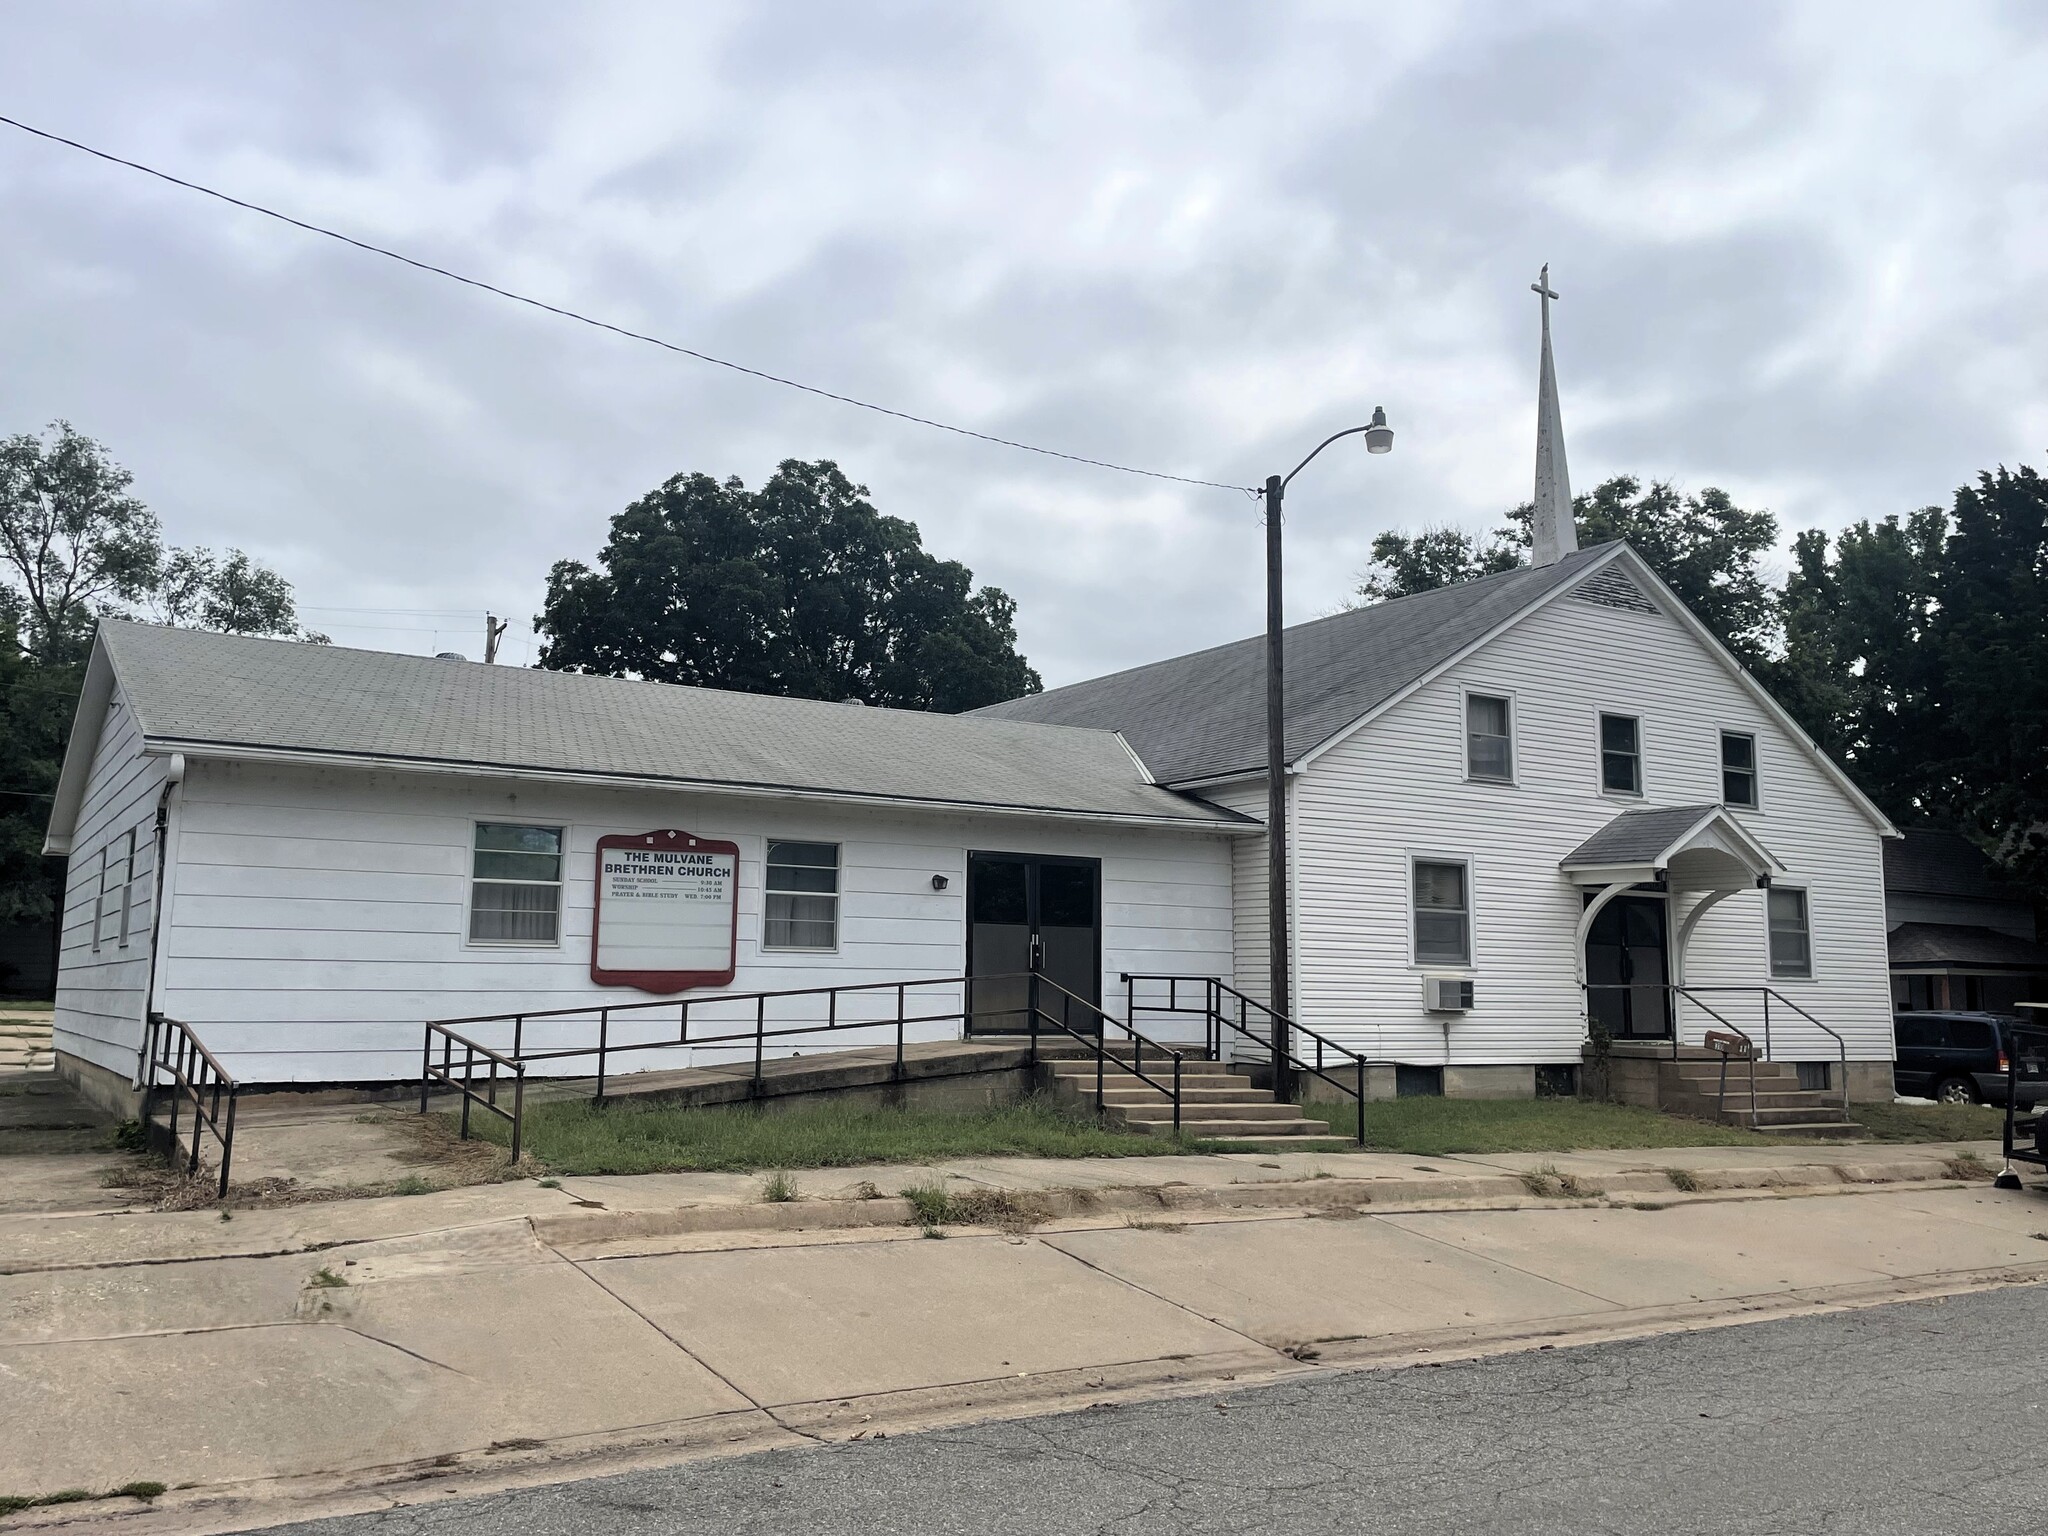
x: 231, y: 695
x: 1203, y: 716
x: 1929, y: 862
x: 1963, y: 946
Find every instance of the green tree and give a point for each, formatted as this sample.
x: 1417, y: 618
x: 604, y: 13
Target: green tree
x: 1404, y: 564
x: 77, y: 546
x: 1860, y: 668
x: 800, y: 588
x: 74, y: 540
x: 1990, y: 636
x: 1705, y: 548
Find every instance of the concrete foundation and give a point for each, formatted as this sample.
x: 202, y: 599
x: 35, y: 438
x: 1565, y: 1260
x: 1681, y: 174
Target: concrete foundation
x: 1490, y: 1082
x: 109, y: 1091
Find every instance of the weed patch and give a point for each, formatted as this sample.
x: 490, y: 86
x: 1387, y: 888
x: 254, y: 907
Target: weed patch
x: 930, y: 1205
x: 129, y: 1136
x: 1966, y: 1165
x: 1683, y: 1179
x: 1545, y: 1181
x: 1154, y: 1224
x: 326, y: 1279
x: 778, y: 1188
x: 144, y: 1490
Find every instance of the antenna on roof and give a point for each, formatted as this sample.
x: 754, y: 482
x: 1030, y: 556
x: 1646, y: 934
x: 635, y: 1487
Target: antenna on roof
x: 494, y: 630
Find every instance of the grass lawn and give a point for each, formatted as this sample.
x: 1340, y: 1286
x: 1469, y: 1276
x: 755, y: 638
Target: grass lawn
x: 1929, y: 1122
x: 649, y: 1137
x: 1437, y: 1126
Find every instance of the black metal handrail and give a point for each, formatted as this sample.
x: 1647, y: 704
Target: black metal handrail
x: 1098, y: 1040
x: 1217, y: 1019
x: 459, y: 1059
x: 196, y: 1078
x: 1673, y: 992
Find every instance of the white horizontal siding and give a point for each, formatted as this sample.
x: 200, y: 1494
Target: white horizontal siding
x: 1397, y: 789
x: 319, y: 915
x: 102, y: 996
x: 1251, y: 927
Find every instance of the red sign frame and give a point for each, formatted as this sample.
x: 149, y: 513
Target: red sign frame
x: 663, y: 981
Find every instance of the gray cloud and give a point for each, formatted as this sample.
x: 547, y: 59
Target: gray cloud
x: 1801, y: 249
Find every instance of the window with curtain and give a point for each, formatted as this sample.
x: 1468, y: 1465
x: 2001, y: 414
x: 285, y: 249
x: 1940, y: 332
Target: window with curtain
x: 802, y: 908
x: 1443, y: 913
x: 1791, y: 934
x: 1489, y: 744
x: 515, y: 892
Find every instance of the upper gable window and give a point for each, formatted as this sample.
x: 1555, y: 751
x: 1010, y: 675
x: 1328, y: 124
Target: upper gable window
x: 1738, y: 769
x: 1489, y: 738
x: 1621, y: 754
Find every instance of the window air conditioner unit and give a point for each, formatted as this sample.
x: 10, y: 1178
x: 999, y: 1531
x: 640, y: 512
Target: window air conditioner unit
x: 1446, y: 994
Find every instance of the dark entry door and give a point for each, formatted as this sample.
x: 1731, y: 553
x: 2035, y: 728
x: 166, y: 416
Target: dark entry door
x: 1026, y: 908
x: 1626, y: 969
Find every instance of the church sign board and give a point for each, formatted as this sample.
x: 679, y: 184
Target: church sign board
x: 667, y: 915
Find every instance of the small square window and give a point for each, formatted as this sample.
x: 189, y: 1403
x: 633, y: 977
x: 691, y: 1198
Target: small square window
x: 1489, y: 741
x: 802, y: 906
x: 1443, y: 913
x: 1790, y: 932
x: 1621, y: 755
x: 515, y: 891
x: 1738, y: 769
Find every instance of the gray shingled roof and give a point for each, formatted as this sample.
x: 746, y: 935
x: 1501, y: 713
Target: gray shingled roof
x: 1937, y: 863
x: 190, y: 688
x: 1203, y: 716
x: 1962, y: 944
x: 1637, y: 836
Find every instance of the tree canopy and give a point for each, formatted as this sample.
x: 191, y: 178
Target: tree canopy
x: 800, y: 588
x: 77, y: 546
x: 1705, y: 547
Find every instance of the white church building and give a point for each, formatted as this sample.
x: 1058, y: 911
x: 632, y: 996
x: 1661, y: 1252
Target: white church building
x: 1522, y: 810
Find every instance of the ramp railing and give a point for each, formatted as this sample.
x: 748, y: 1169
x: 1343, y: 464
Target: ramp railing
x: 485, y: 1057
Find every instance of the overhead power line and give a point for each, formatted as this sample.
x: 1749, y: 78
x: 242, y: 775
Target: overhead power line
x: 605, y: 325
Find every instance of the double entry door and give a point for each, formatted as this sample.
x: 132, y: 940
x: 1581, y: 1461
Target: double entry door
x: 1026, y: 911
x: 1627, y: 969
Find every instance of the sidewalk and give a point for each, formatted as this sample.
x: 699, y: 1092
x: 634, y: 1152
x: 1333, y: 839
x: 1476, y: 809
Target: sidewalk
x: 355, y: 1354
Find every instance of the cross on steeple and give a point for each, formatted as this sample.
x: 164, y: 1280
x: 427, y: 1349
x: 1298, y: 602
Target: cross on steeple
x: 1553, y: 531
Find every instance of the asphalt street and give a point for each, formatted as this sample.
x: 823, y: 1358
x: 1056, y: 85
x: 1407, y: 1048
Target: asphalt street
x: 1921, y: 1418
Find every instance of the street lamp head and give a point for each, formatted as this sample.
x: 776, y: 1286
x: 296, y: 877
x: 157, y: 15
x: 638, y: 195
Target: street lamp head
x: 1379, y: 437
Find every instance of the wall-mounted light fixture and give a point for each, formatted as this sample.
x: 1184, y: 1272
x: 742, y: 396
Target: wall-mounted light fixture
x: 938, y: 882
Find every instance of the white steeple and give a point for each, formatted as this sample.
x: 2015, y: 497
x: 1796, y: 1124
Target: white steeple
x: 1555, y: 533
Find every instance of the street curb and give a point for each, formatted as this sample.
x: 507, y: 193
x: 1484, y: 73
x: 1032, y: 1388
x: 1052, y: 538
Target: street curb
x: 1033, y: 1207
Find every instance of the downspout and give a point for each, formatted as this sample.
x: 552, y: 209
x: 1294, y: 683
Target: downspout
x: 174, y: 775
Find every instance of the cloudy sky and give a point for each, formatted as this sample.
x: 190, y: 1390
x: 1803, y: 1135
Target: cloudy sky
x: 1803, y: 251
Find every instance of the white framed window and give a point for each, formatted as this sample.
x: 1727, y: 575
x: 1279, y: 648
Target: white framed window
x: 1790, y: 925
x: 1489, y: 738
x: 1440, y: 892
x: 1738, y: 770
x: 99, y: 899
x: 801, y: 910
x: 127, y: 886
x: 515, y: 886
x: 1621, y: 754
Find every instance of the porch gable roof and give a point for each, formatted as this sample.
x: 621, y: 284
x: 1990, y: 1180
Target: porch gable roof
x: 1642, y: 842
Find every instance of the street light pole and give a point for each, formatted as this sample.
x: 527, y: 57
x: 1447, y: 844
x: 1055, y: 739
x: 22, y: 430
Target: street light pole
x: 1379, y: 438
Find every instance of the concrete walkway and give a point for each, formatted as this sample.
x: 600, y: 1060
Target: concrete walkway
x: 349, y: 1354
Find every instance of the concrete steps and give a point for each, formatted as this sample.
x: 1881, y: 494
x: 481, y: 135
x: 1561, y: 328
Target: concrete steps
x: 1217, y: 1102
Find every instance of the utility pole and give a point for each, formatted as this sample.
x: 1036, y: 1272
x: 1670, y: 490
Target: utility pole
x: 494, y: 630
x: 1379, y: 438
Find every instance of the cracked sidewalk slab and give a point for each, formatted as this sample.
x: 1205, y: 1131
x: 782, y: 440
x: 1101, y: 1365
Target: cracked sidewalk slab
x: 488, y: 1350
